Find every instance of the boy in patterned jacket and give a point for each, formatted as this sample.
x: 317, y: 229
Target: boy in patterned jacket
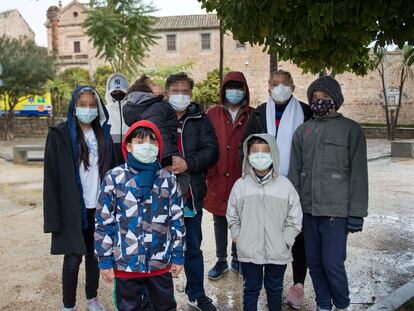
x: 139, y: 229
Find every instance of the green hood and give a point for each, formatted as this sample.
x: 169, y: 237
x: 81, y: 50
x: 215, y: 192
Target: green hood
x: 271, y: 141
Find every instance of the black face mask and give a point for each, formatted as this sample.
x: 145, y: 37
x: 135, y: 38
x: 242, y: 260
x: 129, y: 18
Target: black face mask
x: 321, y: 107
x: 118, y: 96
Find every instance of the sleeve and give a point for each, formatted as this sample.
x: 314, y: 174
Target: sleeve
x: 208, y: 153
x: 105, y: 223
x: 293, y: 223
x: 177, y: 227
x: 52, y: 213
x: 358, y: 187
x: 232, y: 214
x: 251, y: 128
x: 168, y: 130
x: 296, y: 162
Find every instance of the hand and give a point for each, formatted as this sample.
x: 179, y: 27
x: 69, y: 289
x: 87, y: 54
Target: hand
x: 235, y: 239
x: 354, y: 224
x: 107, y: 275
x: 179, y: 165
x: 176, y: 270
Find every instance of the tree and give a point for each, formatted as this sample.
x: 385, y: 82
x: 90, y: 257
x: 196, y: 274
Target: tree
x: 75, y: 76
x: 403, y: 71
x: 121, y: 31
x: 207, y: 92
x: 318, y: 35
x: 100, y: 77
x: 26, y: 68
x: 60, y: 92
x: 160, y: 73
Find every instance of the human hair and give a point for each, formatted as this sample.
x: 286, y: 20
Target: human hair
x: 255, y: 140
x: 142, y: 84
x: 141, y: 132
x: 83, y: 151
x: 181, y: 76
x: 234, y: 84
x: 281, y: 72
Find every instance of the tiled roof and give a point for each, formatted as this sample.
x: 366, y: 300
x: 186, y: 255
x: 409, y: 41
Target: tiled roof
x: 187, y: 22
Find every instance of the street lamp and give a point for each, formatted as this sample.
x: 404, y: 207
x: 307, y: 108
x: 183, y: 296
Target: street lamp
x: 392, y: 99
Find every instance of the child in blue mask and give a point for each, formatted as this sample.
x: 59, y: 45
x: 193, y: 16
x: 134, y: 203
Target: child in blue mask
x: 140, y: 233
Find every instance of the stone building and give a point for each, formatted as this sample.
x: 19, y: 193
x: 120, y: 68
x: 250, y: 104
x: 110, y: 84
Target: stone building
x: 195, y: 38
x: 13, y: 25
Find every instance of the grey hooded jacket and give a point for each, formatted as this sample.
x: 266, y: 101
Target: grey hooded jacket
x: 264, y: 216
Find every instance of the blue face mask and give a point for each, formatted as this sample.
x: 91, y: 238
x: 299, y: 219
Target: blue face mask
x: 234, y: 96
x: 86, y: 115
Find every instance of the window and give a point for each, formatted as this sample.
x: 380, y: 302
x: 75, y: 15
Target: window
x: 205, y: 41
x: 76, y: 46
x: 171, y: 43
x: 75, y: 14
x: 240, y: 45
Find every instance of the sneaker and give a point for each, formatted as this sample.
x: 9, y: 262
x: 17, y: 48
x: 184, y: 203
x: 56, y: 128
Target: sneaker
x: 75, y: 308
x: 202, y: 304
x: 95, y: 305
x: 294, y: 297
x: 219, y: 269
x: 319, y: 309
x: 235, y: 266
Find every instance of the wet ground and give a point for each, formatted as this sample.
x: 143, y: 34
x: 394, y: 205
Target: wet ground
x: 379, y: 260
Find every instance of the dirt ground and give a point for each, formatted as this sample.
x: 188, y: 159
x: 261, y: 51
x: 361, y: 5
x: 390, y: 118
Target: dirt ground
x: 379, y: 260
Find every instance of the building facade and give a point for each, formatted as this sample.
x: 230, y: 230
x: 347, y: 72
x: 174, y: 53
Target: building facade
x: 13, y: 25
x: 196, y: 39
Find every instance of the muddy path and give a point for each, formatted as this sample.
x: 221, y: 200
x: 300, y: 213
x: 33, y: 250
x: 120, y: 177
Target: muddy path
x: 379, y: 260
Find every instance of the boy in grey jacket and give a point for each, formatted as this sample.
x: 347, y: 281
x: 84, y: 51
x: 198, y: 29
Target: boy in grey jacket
x: 329, y: 170
x: 264, y: 217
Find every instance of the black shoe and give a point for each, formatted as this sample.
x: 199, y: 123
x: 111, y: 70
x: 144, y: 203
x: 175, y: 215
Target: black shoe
x: 219, y: 269
x: 235, y: 266
x: 202, y: 304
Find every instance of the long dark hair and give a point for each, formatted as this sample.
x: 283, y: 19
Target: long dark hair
x: 83, y: 152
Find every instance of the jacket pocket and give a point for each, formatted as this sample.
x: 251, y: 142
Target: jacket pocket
x: 335, y: 189
x: 336, y: 153
x: 247, y: 242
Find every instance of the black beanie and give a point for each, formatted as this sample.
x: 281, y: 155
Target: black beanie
x: 328, y: 85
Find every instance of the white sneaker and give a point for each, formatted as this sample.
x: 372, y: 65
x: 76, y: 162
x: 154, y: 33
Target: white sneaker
x: 75, y: 308
x: 95, y: 305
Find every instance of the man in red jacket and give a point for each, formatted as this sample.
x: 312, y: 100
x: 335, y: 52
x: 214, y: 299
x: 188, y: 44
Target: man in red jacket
x: 229, y: 119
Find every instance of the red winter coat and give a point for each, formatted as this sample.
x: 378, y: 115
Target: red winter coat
x: 222, y: 176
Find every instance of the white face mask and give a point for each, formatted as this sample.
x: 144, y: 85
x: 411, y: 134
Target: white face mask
x: 179, y: 102
x: 281, y: 93
x: 261, y: 161
x: 145, y: 153
x: 85, y: 114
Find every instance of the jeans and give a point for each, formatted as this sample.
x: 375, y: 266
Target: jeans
x: 325, y: 241
x: 221, y: 235
x: 71, y: 263
x: 193, y: 264
x: 253, y: 280
x: 299, y: 260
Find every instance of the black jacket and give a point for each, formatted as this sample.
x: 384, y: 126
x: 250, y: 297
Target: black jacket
x: 257, y: 121
x: 145, y: 106
x: 200, y: 151
x: 61, y: 196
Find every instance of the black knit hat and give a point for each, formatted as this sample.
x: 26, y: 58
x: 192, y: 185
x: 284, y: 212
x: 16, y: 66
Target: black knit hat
x: 328, y: 85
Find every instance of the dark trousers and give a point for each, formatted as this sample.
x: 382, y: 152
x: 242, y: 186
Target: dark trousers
x: 158, y: 289
x: 221, y: 235
x: 253, y: 280
x: 71, y: 263
x: 299, y: 260
x: 325, y: 240
x: 193, y: 264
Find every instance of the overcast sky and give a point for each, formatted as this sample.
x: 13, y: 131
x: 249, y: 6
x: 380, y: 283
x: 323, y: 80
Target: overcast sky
x: 34, y: 11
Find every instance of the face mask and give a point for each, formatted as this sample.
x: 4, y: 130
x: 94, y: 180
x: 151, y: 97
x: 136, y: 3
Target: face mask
x: 179, y: 102
x: 261, y: 161
x: 145, y: 153
x: 321, y: 107
x: 86, y: 115
x: 118, y: 96
x: 281, y: 93
x: 234, y: 96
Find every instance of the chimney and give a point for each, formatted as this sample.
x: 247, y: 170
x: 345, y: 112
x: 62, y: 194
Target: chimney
x: 53, y: 16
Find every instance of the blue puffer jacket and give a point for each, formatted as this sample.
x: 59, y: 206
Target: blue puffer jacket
x: 137, y: 235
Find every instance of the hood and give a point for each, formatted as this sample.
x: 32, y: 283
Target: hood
x: 234, y: 76
x: 271, y: 141
x: 141, y: 100
x: 116, y: 81
x: 147, y: 124
x: 102, y: 111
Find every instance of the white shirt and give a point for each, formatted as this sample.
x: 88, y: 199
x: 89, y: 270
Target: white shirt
x: 234, y: 114
x: 90, y: 178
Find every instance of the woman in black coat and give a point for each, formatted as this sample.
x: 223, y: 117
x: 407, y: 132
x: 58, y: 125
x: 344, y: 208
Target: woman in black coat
x: 77, y: 155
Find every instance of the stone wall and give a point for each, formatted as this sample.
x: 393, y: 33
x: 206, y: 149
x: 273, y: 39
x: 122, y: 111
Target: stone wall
x: 28, y: 127
x: 13, y: 25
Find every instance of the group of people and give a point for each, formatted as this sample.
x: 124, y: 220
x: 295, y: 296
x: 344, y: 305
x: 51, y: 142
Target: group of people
x: 126, y: 184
